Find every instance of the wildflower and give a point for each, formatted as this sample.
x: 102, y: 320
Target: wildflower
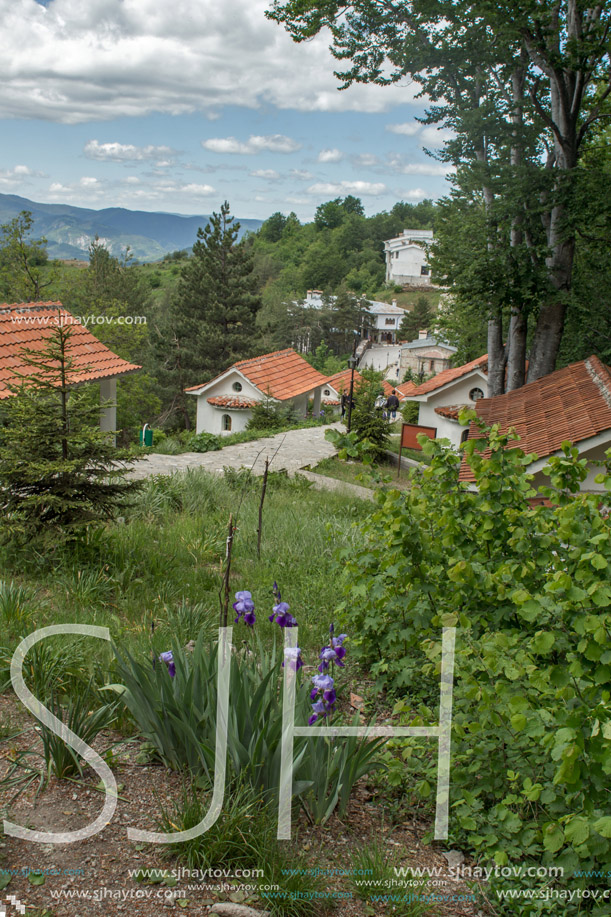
x: 280, y: 614
x: 244, y: 608
x: 168, y: 658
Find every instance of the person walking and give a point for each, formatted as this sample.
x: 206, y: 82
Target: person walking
x: 392, y: 403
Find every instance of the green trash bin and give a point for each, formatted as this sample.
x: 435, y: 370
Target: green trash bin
x: 146, y: 435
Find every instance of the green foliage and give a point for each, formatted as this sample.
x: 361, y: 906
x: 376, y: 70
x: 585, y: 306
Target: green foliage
x: 58, y: 471
x: 410, y: 411
x: 210, y: 322
x: 419, y: 318
x: 77, y: 715
x: 529, y: 590
x: 268, y: 414
x: 22, y: 260
x: 378, y: 865
x: 367, y: 421
x: 204, y: 442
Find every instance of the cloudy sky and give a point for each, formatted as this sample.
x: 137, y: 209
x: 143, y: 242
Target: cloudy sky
x: 176, y: 105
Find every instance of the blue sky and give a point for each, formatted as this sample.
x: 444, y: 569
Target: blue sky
x: 177, y: 106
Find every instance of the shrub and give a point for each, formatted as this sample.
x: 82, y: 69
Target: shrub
x: 529, y: 589
x: 367, y: 422
x: 271, y: 415
x: 204, y: 442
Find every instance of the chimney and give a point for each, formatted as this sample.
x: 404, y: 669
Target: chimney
x: 422, y: 334
x: 394, y: 302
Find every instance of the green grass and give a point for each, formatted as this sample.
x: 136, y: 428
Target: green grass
x: 162, y: 566
x: 393, y: 446
x: 357, y: 473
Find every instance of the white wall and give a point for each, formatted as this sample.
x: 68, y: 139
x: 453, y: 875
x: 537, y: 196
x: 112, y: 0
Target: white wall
x: 210, y: 418
x: 404, y: 265
x: 457, y: 393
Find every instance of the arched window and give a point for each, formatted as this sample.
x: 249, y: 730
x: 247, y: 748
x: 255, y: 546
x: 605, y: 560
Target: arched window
x: 465, y: 435
x: 475, y: 394
x: 237, y: 386
x: 226, y: 422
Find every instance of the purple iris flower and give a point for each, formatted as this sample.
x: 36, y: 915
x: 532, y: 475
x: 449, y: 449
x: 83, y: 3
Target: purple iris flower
x: 322, y: 682
x: 244, y: 608
x: 329, y: 697
x: 281, y: 615
x: 168, y: 658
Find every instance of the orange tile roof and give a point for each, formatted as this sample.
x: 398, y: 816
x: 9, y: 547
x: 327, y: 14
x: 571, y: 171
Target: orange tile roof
x: 231, y: 401
x: 28, y: 325
x: 449, y: 375
x: 451, y: 411
x: 282, y: 374
x: 571, y: 404
x: 406, y: 388
x: 341, y: 381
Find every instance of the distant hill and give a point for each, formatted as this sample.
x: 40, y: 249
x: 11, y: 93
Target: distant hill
x: 70, y: 230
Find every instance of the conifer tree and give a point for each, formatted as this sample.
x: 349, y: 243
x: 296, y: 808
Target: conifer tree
x: 213, y: 315
x: 58, y: 470
x: 417, y: 320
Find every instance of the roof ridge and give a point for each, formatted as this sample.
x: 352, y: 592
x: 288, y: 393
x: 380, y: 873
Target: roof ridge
x: 272, y: 353
x: 597, y: 376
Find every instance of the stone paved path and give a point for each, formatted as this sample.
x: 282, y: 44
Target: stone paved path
x: 290, y: 451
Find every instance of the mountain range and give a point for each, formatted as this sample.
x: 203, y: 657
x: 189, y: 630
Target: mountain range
x: 70, y: 230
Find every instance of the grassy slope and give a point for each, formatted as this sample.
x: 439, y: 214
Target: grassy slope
x: 167, y: 556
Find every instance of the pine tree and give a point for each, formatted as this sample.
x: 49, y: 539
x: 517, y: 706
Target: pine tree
x: 417, y: 320
x: 58, y: 471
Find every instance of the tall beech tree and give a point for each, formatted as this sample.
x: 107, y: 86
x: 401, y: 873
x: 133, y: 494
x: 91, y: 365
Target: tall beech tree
x: 520, y: 83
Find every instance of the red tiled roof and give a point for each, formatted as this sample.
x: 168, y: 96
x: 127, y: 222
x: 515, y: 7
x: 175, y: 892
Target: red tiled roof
x: 571, y: 404
x: 341, y: 381
x: 282, y: 374
x: 28, y: 325
x: 451, y: 411
x: 449, y: 375
x: 406, y: 388
x: 231, y: 401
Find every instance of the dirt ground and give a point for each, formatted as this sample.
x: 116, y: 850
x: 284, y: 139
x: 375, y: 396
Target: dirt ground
x: 94, y: 877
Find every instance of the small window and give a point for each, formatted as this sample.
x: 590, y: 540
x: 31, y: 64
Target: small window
x: 432, y: 366
x: 465, y: 435
x: 326, y: 391
x: 424, y: 270
x: 237, y: 386
x: 226, y: 421
x: 390, y: 321
x: 475, y: 394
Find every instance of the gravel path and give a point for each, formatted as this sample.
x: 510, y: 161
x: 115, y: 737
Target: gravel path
x: 286, y: 451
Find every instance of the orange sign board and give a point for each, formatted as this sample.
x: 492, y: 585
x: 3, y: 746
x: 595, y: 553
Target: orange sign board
x: 410, y: 433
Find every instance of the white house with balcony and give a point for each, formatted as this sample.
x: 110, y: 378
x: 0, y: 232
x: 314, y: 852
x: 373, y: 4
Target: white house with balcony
x: 385, y: 317
x: 406, y: 258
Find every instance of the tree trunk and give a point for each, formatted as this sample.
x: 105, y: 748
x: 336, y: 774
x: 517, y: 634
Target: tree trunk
x: 516, y: 347
x: 496, y: 356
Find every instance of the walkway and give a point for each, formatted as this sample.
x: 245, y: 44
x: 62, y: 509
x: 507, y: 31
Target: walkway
x: 287, y: 451
x: 385, y: 357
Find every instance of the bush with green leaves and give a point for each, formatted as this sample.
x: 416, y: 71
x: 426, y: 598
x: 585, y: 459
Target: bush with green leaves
x: 272, y: 415
x: 367, y: 421
x: 204, y: 442
x: 528, y: 588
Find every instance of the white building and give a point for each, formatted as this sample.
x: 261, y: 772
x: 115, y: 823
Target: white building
x: 224, y: 405
x: 385, y: 317
x: 406, y: 260
x: 427, y: 354
x: 442, y: 398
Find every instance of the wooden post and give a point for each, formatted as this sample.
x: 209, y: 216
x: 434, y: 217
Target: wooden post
x: 263, y: 489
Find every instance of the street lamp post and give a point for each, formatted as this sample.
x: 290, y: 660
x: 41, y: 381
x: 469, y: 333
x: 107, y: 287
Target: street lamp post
x: 352, y: 365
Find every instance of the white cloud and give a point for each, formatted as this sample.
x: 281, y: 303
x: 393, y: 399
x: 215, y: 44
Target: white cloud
x: 301, y: 174
x: 398, y: 164
x: 414, y: 194
x: 105, y: 59
x: 16, y: 175
x: 365, y: 160
x: 269, y: 174
x: 126, y: 152
x: 436, y: 136
x: 366, y: 188
x: 330, y: 156
x: 408, y: 128
x: 274, y: 143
